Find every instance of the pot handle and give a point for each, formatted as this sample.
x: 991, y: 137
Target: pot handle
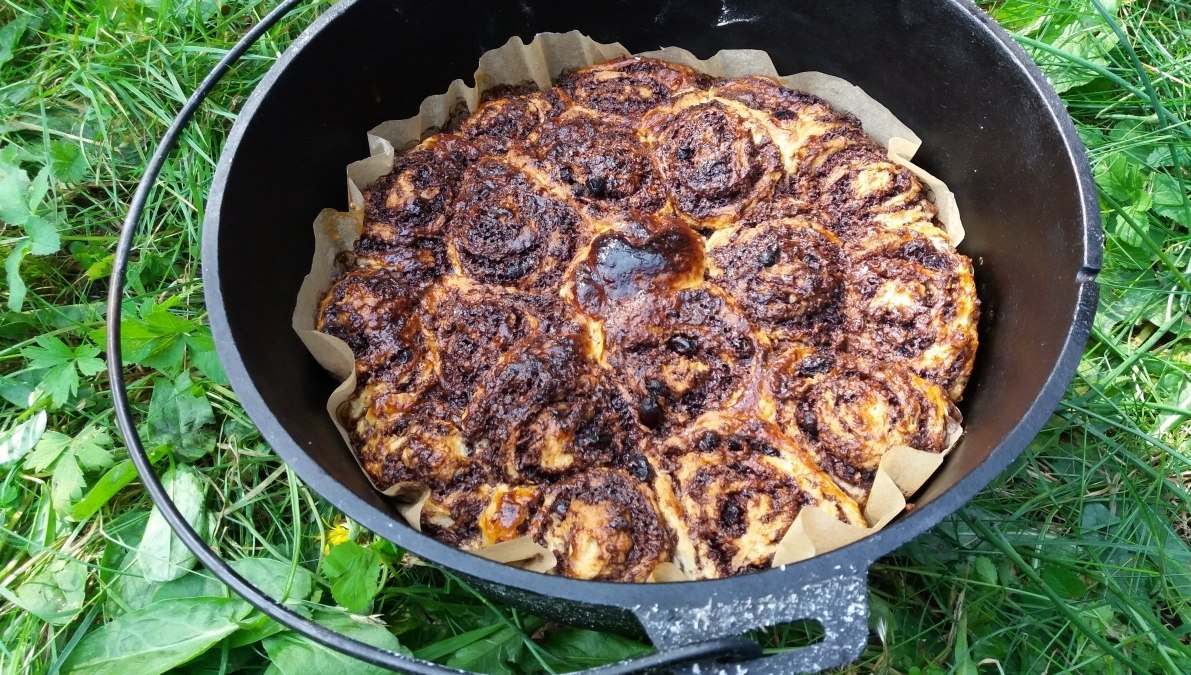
x: 839, y: 603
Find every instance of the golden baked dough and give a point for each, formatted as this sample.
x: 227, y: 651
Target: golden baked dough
x: 603, y: 524
x: 849, y: 411
x: 648, y: 316
x: 730, y: 487
x: 912, y: 299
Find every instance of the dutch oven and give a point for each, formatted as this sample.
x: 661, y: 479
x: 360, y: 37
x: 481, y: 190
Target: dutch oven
x: 992, y: 128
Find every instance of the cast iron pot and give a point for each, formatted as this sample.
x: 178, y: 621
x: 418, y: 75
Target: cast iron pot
x: 992, y: 128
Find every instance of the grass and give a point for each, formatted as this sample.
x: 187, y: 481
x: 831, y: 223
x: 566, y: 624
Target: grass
x: 1076, y: 559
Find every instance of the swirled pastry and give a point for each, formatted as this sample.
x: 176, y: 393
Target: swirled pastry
x: 503, y: 122
x: 788, y: 274
x: 375, y: 314
x: 717, y: 161
x: 913, y: 300
x: 681, y: 353
x: 507, y: 230
x: 599, y: 161
x: 629, y: 86
x: 603, y: 524
x: 850, y: 411
x: 469, y: 326
x: 647, y: 316
x: 731, y: 486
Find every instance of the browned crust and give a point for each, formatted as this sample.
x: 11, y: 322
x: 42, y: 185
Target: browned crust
x: 508, y: 231
x: 913, y: 301
x: 630, y: 86
x: 850, y: 410
x: 603, y: 524
x: 598, y: 160
x: 787, y: 274
x: 681, y: 353
x: 716, y: 161
x: 731, y: 486
x: 504, y: 122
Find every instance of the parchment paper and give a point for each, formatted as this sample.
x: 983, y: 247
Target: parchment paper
x: 902, y: 470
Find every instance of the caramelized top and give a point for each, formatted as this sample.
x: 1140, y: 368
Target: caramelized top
x: 636, y: 258
x: 647, y: 316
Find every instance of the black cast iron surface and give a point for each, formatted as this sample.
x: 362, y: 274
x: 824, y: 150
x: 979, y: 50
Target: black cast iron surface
x: 991, y: 127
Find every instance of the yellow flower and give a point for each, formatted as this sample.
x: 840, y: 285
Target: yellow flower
x: 337, y: 535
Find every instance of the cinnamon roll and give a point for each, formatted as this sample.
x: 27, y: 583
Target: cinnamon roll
x: 415, y: 198
x: 798, y: 122
x: 508, y: 230
x: 599, y: 161
x: 730, y: 487
x: 603, y: 524
x: 787, y: 274
x: 374, y: 312
x: 911, y: 299
x: 850, y: 411
x: 469, y: 326
x: 849, y: 176
x: 548, y: 410
x: 716, y: 161
x: 588, y: 425
x: 421, y: 442
x: 681, y: 353
x: 857, y: 182
x: 629, y: 86
x: 503, y: 123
